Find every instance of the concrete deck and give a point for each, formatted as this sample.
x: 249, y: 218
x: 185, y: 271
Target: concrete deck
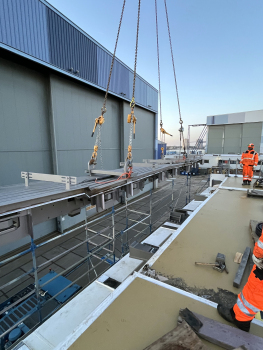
x: 142, y: 309
x: 220, y: 226
x: 141, y: 314
x: 236, y: 182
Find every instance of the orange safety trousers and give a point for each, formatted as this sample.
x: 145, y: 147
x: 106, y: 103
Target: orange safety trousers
x: 247, y: 172
x: 250, y: 300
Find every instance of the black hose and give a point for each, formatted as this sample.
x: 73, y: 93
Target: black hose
x: 259, y: 229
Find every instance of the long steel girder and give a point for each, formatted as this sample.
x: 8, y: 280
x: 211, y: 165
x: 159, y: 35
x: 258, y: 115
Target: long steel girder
x: 47, y: 200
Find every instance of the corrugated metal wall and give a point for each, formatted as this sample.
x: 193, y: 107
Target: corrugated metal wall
x: 23, y: 25
x: 69, y: 48
x: 35, y: 28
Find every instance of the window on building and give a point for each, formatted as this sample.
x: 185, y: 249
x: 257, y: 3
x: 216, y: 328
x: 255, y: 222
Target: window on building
x: 206, y: 161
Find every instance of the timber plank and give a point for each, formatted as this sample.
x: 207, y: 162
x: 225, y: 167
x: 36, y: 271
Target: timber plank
x: 226, y: 336
x: 241, y: 268
x: 180, y: 338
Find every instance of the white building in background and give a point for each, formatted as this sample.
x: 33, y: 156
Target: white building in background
x: 231, y: 133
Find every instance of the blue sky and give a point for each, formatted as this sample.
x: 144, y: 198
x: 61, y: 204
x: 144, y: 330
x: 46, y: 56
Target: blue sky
x: 217, y: 46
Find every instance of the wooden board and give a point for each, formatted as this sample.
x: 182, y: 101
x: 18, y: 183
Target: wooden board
x: 241, y: 268
x: 226, y: 336
x: 238, y: 258
x: 180, y: 338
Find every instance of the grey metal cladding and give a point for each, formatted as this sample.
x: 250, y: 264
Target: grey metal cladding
x: 23, y: 25
x: 120, y: 75
x: 69, y: 48
x: 140, y: 92
x: 152, y: 98
x: 36, y: 29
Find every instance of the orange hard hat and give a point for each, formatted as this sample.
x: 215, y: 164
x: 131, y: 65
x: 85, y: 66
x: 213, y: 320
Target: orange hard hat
x: 251, y: 145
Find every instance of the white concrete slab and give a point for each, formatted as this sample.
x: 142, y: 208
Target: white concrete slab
x: 23, y: 347
x: 64, y: 321
x: 171, y: 225
x: 103, y: 278
x: 207, y: 191
x: 193, y: 205
x: 158, y: 237
x: 124, y: 268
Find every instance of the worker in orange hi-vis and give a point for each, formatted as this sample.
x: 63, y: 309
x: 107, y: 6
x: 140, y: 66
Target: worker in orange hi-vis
x: 250, y: 300
x: 249, y: 160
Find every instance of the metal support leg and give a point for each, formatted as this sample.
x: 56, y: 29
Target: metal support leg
x: 122, y: 248
x: 87, y: 236
x: 236, y: 167
x: 189, y: 189
x: 126, y: 211
x: 113, y: 233
x: 186, y: 189
x: 150, y: 212
x: 33, y: 249
x: 172, y: 190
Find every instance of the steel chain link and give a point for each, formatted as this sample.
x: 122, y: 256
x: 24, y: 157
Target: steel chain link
x: 103, y: 109
x: 130, y: 134
x: 158, y: 60
x: 136, y: 50
x: 113, y: 58
x: 175, y: 80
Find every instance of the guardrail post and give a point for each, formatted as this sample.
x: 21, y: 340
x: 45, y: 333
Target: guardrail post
x: 236, y: 167
x: 68, y: 183
x: 26, y: 179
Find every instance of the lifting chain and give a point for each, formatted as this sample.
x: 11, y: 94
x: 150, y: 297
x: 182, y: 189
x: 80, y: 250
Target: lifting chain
x: 162, y: 131
x: 181, y: 129
x: 131, y: 117
x: 159, y: 76
x: 100, y: 120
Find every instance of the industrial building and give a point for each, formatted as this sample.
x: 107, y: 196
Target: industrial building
x: 231, y: 133
x: 53, y: 78
x: 120, y: 265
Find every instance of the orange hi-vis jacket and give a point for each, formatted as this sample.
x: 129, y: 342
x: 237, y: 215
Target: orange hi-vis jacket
x: 250, y: 300
x: 249, y: 158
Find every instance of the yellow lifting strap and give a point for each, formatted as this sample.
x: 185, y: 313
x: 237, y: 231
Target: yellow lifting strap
x: 129, y: 155
x: 94, y: 155
x: 98, y: 121
x: 164, y: 132
x: 131, y: 118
